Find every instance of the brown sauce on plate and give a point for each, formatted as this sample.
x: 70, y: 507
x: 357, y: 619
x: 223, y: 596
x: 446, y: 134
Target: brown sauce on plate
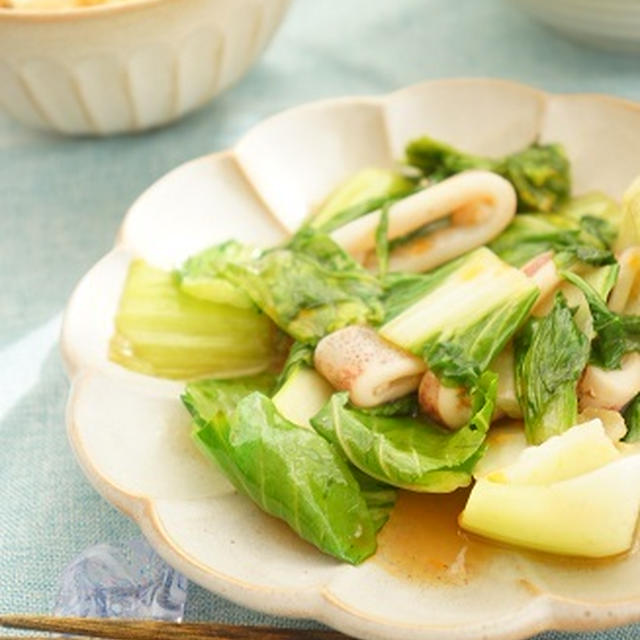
x: 422, y: 539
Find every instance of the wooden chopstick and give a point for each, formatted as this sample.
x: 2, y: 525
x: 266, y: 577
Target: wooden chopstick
x: 116, y: 629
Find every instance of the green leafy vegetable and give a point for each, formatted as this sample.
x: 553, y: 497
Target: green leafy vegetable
x: 310, y: 287
x: 465, y: 317
x: 551, y: 354
x: 438, y: 160
x: 406, y: 406
x: 289, y: 471
x: 382, y: 241
x: 201, y: 275
x: 615, y: 334
x: 530, y: 235
x: 408, y: 452
x: 380, y: 497
x: 300, y: 355
x: 539, y: 174
x: 366, y: 191
x: 304, y: 393
x: 594, y: 204
x: 631, y: 416
x: 212, y: 399
x: 164, y: 332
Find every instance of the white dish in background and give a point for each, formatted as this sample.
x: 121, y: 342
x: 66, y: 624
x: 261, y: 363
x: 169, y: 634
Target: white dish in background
x: 608, y: 24
x: 118, y: 68
x: 130, y: 433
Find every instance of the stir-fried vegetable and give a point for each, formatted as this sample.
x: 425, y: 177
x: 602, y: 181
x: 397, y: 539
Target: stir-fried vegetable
x: 584, y: 229
x: 550, y: 353
x: 464, y: 319
x: 291, y: 472
x: 310, y: 287
x: 409, y: 452
x: 202, y: 275
x: 164, y: 332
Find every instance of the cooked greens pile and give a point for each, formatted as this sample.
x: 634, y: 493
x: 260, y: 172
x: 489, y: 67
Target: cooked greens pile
x: 242, y: 324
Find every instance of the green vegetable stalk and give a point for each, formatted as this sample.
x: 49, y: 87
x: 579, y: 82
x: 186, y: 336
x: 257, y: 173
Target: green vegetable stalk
x: 463, y: 318
x: 162, y: 331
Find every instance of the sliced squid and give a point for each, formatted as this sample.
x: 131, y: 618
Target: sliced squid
x: 356, y: 359
x: 610, y: 389
x: 450, y: 406
x: 625, y: 295
x: 480, y: 205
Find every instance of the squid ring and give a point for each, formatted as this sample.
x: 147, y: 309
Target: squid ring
x: 480, y: 205
x: 358, y: 360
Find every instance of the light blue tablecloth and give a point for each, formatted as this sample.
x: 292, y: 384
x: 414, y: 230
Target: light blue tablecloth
x: 61, y: 201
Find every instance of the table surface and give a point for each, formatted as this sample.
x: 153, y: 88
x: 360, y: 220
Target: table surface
x: 61, y: 201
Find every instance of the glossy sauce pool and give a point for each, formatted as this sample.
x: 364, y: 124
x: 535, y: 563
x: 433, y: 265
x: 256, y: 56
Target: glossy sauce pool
x: 422, y: 541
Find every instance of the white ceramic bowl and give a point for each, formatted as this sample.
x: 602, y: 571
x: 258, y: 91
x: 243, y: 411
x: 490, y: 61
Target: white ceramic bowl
x: 131, y: 434
x: 609, y: 24
x: 127, y: 67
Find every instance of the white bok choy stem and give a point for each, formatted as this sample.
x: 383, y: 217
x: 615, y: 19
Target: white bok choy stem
x: 480, y: 204
x: 356, y: 359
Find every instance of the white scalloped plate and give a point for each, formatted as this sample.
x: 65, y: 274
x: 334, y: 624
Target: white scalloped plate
x: 130, y: 433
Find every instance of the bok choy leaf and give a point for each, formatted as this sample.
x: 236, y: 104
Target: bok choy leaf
x: 201, y: 275
x: 162, y: 331
x: 309, y: 288
x: 539, y: 173
x: 289, y: 471
x: 408, y: 452
x: 551, y: 354
x: 465, y: 317
x: 587, y: 239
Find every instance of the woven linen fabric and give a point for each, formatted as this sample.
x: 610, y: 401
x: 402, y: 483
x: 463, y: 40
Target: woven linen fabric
x: 61, y: 201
